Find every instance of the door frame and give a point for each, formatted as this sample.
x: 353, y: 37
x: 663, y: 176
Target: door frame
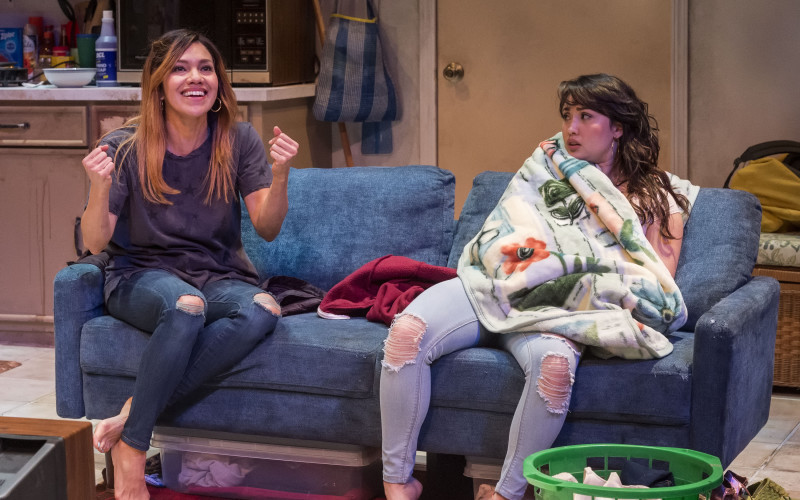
x: 679, y: 86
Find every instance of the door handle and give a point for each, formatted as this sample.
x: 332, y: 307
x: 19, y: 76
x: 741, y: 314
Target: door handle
x: 453, y: 72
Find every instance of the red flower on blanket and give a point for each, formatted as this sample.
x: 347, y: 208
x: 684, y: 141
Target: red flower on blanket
x: 519, y: 257
x: 549, y: 147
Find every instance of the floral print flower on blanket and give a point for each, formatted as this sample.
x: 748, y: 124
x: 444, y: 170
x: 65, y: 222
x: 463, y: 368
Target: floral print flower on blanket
x: 519, y: 257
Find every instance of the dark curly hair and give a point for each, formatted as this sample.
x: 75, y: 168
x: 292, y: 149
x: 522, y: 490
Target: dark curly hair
x: 636, y: 160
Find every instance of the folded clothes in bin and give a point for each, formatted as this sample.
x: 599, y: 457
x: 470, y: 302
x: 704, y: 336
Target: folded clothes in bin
x: 212, y: 470
x: 695, y: 474
x: 636, y: 473
x: 591, y: 478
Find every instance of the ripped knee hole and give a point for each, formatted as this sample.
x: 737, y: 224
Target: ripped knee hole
x: 190, y: 304
x: 555, y: 382
x: 402, y: 344
x: 268, y: 302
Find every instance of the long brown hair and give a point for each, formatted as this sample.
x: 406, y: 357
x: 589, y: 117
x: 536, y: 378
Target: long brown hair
x: 637, y: 154
x: 149, y: 139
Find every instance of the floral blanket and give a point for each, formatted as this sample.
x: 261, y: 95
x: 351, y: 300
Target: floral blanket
x: 563, y: 252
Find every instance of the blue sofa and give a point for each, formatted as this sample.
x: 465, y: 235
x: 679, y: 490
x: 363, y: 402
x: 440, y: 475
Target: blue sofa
x: 318, y: 379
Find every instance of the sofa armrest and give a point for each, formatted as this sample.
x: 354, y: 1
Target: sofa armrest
x: 734, y: 351
x: 78, y: 298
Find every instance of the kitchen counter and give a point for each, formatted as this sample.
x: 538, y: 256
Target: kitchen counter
x: 133, y: 94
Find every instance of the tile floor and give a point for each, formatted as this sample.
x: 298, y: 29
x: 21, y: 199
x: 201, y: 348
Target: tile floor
x: 29, y: 391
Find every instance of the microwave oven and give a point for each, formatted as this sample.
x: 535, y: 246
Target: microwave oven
x: 263, y: 42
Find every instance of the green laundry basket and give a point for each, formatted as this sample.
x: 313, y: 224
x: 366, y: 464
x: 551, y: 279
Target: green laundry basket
x: 695, y: 473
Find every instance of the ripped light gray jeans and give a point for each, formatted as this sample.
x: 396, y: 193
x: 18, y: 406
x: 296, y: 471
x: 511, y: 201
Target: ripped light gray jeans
x: 441, y: 321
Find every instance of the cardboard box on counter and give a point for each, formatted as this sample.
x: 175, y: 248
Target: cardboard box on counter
x: 11, y: 45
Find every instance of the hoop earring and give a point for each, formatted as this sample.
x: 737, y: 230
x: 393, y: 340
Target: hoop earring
x: 219, y: 106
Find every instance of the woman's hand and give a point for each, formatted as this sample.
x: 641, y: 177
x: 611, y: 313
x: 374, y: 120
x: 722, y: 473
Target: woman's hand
x: 99, y: 166
x: 282, y: 149
x: 97, y: 224
x: 268, y: 206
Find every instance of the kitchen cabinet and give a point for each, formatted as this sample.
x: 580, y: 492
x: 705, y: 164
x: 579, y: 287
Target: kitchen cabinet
x: 42, y: 191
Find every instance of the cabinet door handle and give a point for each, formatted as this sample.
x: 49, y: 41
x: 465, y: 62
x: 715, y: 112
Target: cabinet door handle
x: 23, y: 125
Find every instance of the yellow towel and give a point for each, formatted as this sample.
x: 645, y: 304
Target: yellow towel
x: 776, y: 187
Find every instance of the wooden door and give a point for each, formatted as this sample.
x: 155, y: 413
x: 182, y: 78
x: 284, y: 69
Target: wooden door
x: 514, y: 54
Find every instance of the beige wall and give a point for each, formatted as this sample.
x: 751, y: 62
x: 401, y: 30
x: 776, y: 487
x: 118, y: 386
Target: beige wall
x: 744, y: 75
x: 294, y: 118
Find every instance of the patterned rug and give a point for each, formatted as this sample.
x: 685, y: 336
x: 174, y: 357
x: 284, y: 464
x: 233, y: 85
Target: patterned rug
x: 7, y: 365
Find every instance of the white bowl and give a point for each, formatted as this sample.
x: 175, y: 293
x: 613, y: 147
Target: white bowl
x: 69, y: 77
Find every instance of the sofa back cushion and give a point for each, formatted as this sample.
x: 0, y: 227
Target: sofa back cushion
x: 719, y: 248
x: 339, y: 219
x: 487, y: 187
x: 717, y: 255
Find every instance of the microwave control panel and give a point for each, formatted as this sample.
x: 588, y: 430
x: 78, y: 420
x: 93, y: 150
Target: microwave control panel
x: 250, y: 35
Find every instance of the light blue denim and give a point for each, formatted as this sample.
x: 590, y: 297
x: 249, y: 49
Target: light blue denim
x: 186, y: 348
x: 405, y: 391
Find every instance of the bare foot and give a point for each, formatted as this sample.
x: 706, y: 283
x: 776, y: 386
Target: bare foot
x: 403, y: 491
x: 129, y: 465
x: 108, y: 431
x: 485, y: 492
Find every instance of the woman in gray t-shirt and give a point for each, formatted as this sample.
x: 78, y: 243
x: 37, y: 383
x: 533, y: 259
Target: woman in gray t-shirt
x: 164, y: 203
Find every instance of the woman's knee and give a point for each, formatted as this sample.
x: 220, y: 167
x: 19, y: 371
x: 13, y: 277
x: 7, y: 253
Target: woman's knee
x: 555, y: 381
x: 259, y: 319
x: 268, y: 302
x: 402, y: 345
x: 556, y: 374
x: 191, y: 304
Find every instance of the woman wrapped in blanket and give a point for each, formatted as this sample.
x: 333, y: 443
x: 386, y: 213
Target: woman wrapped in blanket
x: 607, y: 126
x: 164, y: 203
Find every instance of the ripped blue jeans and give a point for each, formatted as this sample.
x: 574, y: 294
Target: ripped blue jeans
x: 441, y: 321
x: 191, y: 341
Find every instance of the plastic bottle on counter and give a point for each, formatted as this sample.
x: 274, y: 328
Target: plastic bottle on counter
x: 30, y: 50
x: 106, y: 53
x: 47, y: 42
x: 46, y: 51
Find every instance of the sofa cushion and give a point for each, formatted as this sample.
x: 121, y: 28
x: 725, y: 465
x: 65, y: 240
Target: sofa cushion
x: 487, y: 187
x: 655, y: 391
x: 339, y: 219
x: 491, y: 380
x: 304, y: 354
x: 719, y: 250
x: 345, y: 356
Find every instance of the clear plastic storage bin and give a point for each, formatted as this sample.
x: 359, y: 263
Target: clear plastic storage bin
x: 242, y: 466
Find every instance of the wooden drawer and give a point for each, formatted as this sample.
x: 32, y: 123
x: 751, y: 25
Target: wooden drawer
x: 54, y: 126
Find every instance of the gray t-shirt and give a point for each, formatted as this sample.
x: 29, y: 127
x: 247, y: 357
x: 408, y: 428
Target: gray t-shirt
x: 197, y: 242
